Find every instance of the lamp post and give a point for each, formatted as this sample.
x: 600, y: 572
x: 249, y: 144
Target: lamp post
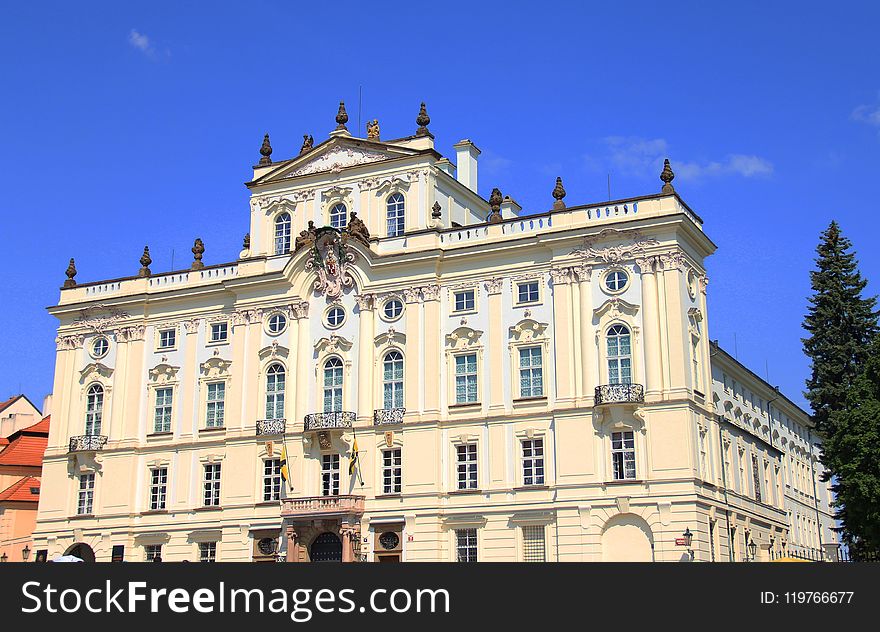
x: 3, y: 558
x: 688, y: 539
x: 753, y: 548
x: 772, y: 552
x: 25, y: 553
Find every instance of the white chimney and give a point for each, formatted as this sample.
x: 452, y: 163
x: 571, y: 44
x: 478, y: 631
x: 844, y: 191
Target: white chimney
x: 466, y: 163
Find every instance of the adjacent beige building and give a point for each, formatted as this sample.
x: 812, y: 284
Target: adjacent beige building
x: 450, y: 380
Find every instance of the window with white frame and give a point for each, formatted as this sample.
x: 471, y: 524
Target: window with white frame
x: 464, y: 301
x: 167, y: 338
x: 94, y: 409
x: 86, y: 496
x: 333, y: 385
x: 466, y: 378
x: 219, y: 332
x: 616, y: 280
x: 216, y: 399
x: 623, y: 455
x: 391, y: 471
x: 271, y: 479
x: 392, y: 380
x: 276, y: 323
x: 466, y: 457
x: 330, y: 475
x: 531, y: 373
x: 335, y: 317
x: 337, y: 216
x: 394, y: 211
x: 466, y: 545
x: 212, y: 485
x: 152, y: 552
x: 207, y: 551
x: 158, y: 488
x: 392, y: 309
x: 619, y: 355
x: 534, y: 549
x: 282, y: 234
x: 533, y: 461
x: 162, y: 409
x: 275, y: 391
x: 527, y: 292
x: 100, y: 347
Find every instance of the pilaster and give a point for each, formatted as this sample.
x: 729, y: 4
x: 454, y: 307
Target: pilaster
x: 564, y: 337
x: 496, y: 345
x: 433, y: 348
x: 366, y: 364
x: 651, y: 333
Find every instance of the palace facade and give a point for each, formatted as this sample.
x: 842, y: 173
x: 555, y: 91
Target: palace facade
x: 437, y: 376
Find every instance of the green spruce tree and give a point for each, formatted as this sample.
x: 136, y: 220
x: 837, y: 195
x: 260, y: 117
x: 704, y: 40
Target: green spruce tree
x: 842, y: 324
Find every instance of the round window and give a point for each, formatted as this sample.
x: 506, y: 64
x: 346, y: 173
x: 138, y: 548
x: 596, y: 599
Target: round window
x: 335, y: 316
x: 276, y: 323
x: 389, y: 540
x: 100, y: 347
x: 616, y: 280
x: 392, y: 309
x: 267, y: 546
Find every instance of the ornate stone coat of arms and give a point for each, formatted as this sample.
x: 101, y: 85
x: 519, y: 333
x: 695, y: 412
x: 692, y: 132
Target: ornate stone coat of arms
x: 331, y: 261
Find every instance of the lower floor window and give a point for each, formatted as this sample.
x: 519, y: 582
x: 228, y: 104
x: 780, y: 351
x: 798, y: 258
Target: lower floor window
x: 391, y: 471
x: 207, y: 551
x: 86, y: 496
x: 330, y: 475
x: 466, y: 545
x: 533, y: 543
x: 623, y: 455
x: 153, y: 552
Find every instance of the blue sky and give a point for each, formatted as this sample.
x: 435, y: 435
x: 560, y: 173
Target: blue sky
x: 126, y: 124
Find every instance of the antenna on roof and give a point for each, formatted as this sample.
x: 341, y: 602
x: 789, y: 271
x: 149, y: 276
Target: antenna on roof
x: 360, y: 94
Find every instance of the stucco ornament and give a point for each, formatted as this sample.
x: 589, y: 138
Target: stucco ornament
x: 92, y: 319
x: 331, y: 261
x: 616, y: 253
x: 335, y: 160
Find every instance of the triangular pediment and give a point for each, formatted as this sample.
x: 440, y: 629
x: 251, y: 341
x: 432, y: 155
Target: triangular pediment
x: 333, y: 156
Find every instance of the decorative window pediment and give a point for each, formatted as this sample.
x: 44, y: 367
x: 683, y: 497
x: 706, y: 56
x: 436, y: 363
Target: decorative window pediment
x: 273, y: 350
x: 336, y: 193
x: 95, y: 372
x: 527, y: 330
x: 333, y: 344
x: 392, y: 337
x: 393, y: 183
x: 463, y: 338
x: 616, y: 307
x: 215, y: 367
x: 163, y: 374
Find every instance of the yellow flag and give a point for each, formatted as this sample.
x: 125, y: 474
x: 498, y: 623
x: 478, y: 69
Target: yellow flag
x: 284, y: 473
x: 354, y: 457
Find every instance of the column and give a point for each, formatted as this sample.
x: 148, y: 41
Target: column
x: 650, y: 329
x: 677, y: 334
x: 413, y: 350
x: 237, y: 370
x: 304, y: 364
x: 588, y: 375
x: 562, y: 326
x: 433, y: 348
x: 495, y: 355
x: 346, y: 533
x: 253, y: 408
x: 292, y: 544
x: 188, y: 394
x: 113, y: 428
x: 366, y: 362
x: 134, y: 390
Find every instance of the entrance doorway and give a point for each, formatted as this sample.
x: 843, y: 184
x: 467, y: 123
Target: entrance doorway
x: 327, y: 547
x: 82, y: 551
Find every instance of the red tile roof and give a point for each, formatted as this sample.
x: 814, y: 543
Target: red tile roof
x: 26, y: 446
x: 41, y: 426
x: 22, y: 490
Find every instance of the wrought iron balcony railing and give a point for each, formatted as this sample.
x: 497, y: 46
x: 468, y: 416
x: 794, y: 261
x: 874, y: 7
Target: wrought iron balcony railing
x: 87, y: 443
x: 321, y: 506
x: 339, y: 419
x: 620, y: 394
x: 383, y: 416
x: 271, y: 426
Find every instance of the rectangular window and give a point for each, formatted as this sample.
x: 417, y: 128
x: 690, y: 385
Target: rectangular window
x: 207, y: 551
x: 330, y: 475
x: 158, y: 488
x: 467, y: 466
x: 162, y: 412
x: 86, y: 498
x: 212, y: 485
x: 623, y: 455
x: 272, y: 479
x: 531, y: 373
x: 167, y: 338
x: 466, y: 378
x: 527, y: 292
x: 391, y: 471
x: 756, y: 481
x: 465, y: 301
x: 533, y: 543
x: 152, y: 552
x: 466, y: 545
x: 533, y: 461
x: 219, y: 332
x: 215, y: 405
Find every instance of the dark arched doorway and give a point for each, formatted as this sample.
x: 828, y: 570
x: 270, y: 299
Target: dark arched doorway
x: 327, y: 547
x: 82, y: 551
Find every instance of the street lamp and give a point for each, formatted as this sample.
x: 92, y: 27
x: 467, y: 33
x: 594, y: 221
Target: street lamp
x: 688, y: 539
x: 25, y: 553
x: 3, y: 558
x: 753, y: 548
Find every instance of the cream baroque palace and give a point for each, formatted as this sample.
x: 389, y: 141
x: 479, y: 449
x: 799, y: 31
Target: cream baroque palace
x: 397, y: 369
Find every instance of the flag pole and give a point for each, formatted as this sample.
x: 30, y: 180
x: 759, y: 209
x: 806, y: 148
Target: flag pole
x: 356, y: 460
x: 286, y: 465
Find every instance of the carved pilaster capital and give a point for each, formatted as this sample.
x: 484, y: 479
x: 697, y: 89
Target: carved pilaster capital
x: 673, y: 260
x: 431, y: 292
x: 300, y: 310
x: 647, y: 265
x: 560, y: 276
x: 704, y: 283
x: 582, y: 272
x: 66, y: 343
x: 191, y: 325
x: 365, y: 302
x: 411, y: 294
x: 494, y: 285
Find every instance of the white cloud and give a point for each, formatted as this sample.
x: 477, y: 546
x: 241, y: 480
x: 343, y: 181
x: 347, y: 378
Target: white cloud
x: 869, y: 114
x: 141, y: 42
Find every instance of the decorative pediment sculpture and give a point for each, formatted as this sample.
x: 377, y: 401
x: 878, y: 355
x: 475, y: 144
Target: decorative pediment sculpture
x: 273, y: 350
x: 615, y: 307
x: 331, y: 261
x: 163, y: 373
x: 215, y: 367
x: 333, y: 344
x: 335, y: 160
x: 92, y: 319
x: 527, y: 330
x: 633, y: 245
x: 358, y: 230
x: 463, y: 337
x: 95, y: 371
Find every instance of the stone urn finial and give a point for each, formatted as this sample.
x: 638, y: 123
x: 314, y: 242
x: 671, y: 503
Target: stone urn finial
x: 146, y: 260
x: 667, y: 176
x: 495, y: 200
x: 70, y: 272
x: 422, y: 120
x: 341, y: 117
x: 558, y: 194
x: 198, y: 251
x: 435, y: 210
x: 246, y: 242
x: 266, y: 152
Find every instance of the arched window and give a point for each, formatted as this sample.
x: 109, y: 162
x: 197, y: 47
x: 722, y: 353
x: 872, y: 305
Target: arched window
x: 282, y: 234
x: 275, y: 392
x: 619, y: 355
x: 332, y: 385
x: 392, y: 380
x: 94, y: 409
x: 394, y: 214
x: 337, y: 216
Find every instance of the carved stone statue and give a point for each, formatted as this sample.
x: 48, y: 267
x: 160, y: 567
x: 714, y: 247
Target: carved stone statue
x: 146, y: 260
x: 373, y: 129
x: 358, y: 230
x: 198, y: 251
x: 308, y: 143
x: 306, y: 237
x: 495, y: 200
x: 70, y: 273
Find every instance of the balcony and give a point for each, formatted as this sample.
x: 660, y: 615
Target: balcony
x: 385, y: 416
x: 335, y: 420
x: 322, y: 506
x: 619, y: 394
x: 86, y: 443
x: 269, y: 427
